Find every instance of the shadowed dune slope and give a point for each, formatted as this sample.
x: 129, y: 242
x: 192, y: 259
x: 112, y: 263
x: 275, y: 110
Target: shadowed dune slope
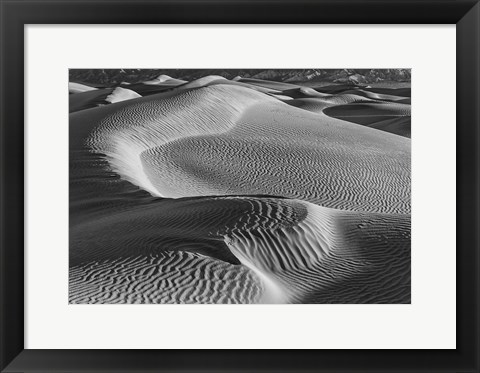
x: 148, y: 89
x: 368, y: 110
x: 280, y: 86
x: 318, y: 104
x: 164, y: 80
x: 402, y: 92
x: 88, y: 99
x: 373, y: 95
x: 203, y: 82
x: 303, y: 92
x: 283, y: 251
x: 386, y: 116
x: 99, y: 97
x: 398, y: 125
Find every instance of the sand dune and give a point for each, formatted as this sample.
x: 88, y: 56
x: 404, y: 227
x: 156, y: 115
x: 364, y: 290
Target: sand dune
x: 374, y: 91
x: 318, y: 104
x: 303, y: 92
x: 78, y: 88
x: 405, y: 101
x: 88, y: 99
x: 374, y: 96
x: 99, y: 97
x: 269, y: 91
x: 164, y: 80
x: 333, y: 88
x: 398, y: 125
x: 166, y: 146
x: 166, y: 277
x: 203, y: 82
x: 279, y: 86
x: 245, y: 191
x: 368, y: 110
x: 148, y: 89
x: 282, y: 97
x: 391, y: 117
x: 265, y: 250
x: 121, y: 94
x: 127, y: 135
x: 402, y: 92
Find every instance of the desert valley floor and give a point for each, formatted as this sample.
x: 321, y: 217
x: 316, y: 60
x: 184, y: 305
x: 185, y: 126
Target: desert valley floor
x: 239, y: 190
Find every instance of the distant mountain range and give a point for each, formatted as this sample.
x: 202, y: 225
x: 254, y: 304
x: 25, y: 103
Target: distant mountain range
x: 109, y: 77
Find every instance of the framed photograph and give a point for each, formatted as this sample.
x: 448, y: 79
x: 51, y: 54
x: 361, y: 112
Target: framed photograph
x: 240, y: 186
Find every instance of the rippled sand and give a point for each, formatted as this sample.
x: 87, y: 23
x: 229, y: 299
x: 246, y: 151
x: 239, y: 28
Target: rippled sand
x: 218, y: 191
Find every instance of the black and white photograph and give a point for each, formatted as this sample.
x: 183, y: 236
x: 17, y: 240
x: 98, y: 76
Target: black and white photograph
x: 239, y: 186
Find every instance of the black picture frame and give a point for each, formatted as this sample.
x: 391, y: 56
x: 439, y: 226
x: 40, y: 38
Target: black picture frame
x: 17, y: 13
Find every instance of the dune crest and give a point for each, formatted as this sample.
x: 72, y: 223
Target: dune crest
x: 128, y: 133
x: 121, y: 94
x: 166, y: 147
x: 203, y: 82
x: 78, y: 88
x: 326, y: 251
x: 164, y: 80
